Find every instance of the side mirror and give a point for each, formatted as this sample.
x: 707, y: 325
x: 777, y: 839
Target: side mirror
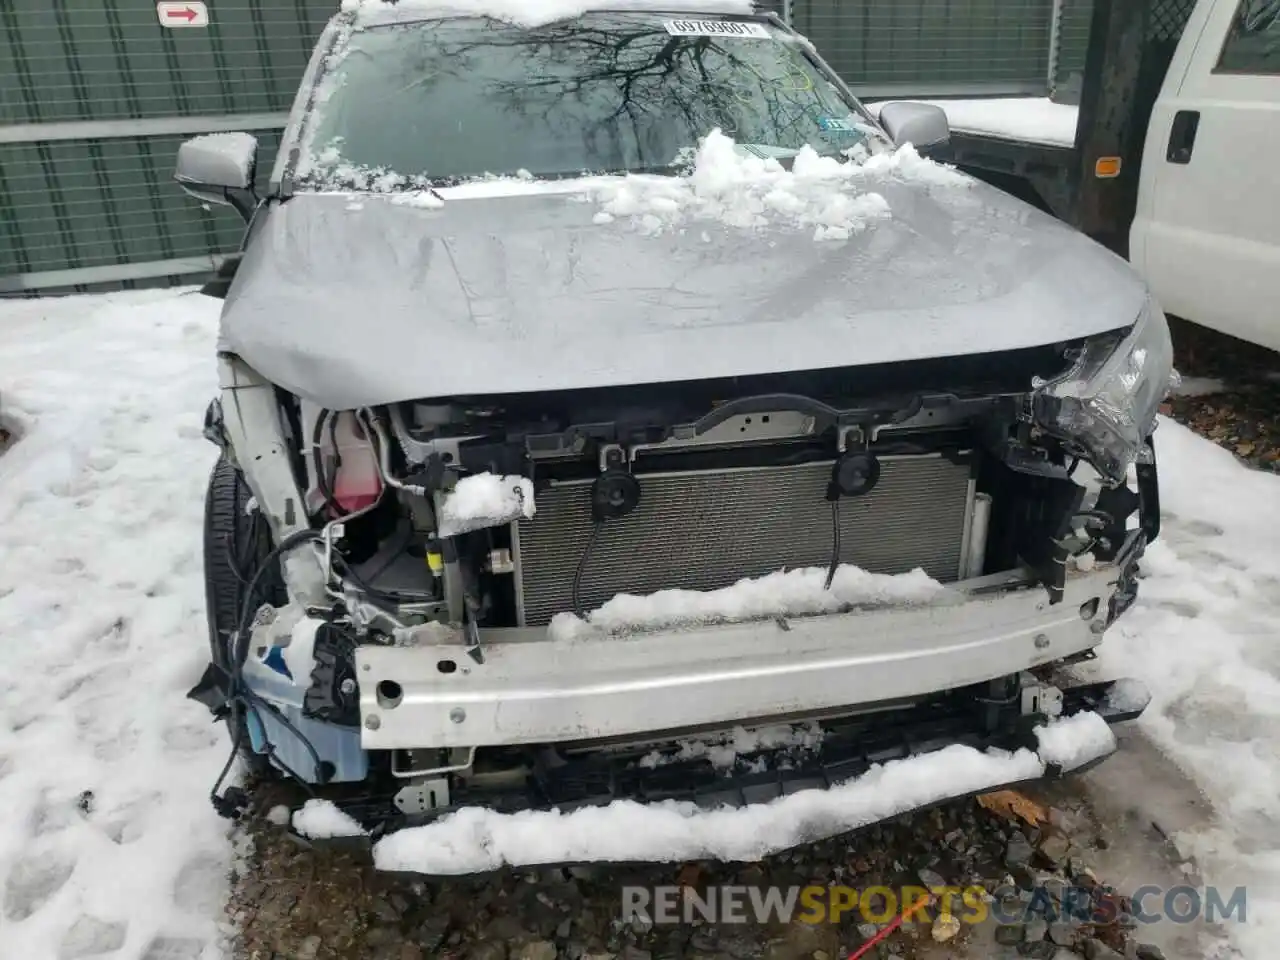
x: 923, y: 125
x: 220, y: 168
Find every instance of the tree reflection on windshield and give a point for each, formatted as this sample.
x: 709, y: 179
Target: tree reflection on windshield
x: 464, y: 97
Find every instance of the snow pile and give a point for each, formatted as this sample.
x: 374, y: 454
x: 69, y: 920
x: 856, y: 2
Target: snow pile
x: 828, y: 195
x: 1203, y: 639
x: 321, y: 820
x: 107, y: 840
x: 475, y: 839
x: 1034, y: 119
x: 1076, y: 740
x: 787, y: 593
x: 723, y: 752
x: 1128, y: 694
x: 279, y: 815
x: 529, y: 13
x: 485, y: 500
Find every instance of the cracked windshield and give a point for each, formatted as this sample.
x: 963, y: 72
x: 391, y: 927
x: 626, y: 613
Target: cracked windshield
x: 442, y: 102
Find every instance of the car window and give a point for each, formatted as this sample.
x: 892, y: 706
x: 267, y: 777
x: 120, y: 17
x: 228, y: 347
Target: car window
x: 1253, y: 45
x: 453, y: 99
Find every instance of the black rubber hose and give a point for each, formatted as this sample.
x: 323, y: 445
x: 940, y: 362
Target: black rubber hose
x: 364, y: 585
x: 290, y: 542
x: 582, y: 566
x: 254, y: 702
x: 835, y: 543
x: 226, y: 767
x: 238, y: 692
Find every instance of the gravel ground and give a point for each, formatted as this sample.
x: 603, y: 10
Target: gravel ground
x: 293, y: 903
x: 322, y: 904
x: 1231, y: 393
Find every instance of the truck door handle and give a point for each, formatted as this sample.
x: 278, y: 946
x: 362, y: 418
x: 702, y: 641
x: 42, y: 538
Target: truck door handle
x: 1182, y: 137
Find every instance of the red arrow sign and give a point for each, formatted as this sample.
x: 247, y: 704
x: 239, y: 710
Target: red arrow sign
x: 183, y: 13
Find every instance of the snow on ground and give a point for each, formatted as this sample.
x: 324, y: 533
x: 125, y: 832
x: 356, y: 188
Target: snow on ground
x: 1037, y: 119
x: 107, y: 839
x: 833, y: 198
x: 474, y: 839
x: 1205, y: 638
x: 787, y: 593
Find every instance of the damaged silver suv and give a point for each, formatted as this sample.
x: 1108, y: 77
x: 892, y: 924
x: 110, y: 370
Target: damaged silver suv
x: 613, y: 410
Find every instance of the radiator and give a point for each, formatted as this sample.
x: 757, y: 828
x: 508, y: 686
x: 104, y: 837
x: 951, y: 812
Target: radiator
x: 707, y: 529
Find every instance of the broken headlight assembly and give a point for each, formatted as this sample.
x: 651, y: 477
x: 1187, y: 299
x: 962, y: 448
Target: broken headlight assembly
x: 1104, y: 406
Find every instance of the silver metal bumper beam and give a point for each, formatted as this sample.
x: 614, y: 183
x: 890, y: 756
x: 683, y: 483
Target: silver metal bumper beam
x: 532, y: 689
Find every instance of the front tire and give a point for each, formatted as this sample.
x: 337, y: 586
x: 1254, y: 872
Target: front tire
x: 236, y: 541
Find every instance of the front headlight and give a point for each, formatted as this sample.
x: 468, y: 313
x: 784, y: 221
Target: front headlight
x: 1106, y: 404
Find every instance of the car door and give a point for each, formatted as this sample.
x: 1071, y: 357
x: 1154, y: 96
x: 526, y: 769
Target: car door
x: 1207, y: 231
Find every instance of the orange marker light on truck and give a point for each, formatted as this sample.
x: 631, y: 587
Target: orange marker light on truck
x: 1107, y: 168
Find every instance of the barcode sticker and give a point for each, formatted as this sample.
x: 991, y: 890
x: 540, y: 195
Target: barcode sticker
x: 716, y: 28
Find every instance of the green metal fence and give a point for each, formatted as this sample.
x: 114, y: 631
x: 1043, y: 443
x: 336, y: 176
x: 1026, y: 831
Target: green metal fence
x: 96, y: 95
x: 91, y: 210
x: 1069, y: 47
x: 112, y: 59
x: 932, y: 48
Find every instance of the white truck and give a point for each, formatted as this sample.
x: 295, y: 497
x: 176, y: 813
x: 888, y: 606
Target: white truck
x: 1172, y: 162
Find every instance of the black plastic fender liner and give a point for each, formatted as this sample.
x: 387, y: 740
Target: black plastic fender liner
x: 213, y: 690
x: 221, y: 282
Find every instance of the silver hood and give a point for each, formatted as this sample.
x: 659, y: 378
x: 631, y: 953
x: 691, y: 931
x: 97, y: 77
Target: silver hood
x: 357, y: 301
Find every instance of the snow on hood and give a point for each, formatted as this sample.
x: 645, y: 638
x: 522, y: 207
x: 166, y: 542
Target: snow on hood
x: 476, y: 839
x: 741, y: 190
x: 511, y: 286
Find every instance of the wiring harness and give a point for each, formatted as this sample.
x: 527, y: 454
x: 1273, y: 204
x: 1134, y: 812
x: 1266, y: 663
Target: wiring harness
x: 231, y: 803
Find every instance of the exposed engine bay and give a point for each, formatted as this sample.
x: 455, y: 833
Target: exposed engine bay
x: 425, y: 628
